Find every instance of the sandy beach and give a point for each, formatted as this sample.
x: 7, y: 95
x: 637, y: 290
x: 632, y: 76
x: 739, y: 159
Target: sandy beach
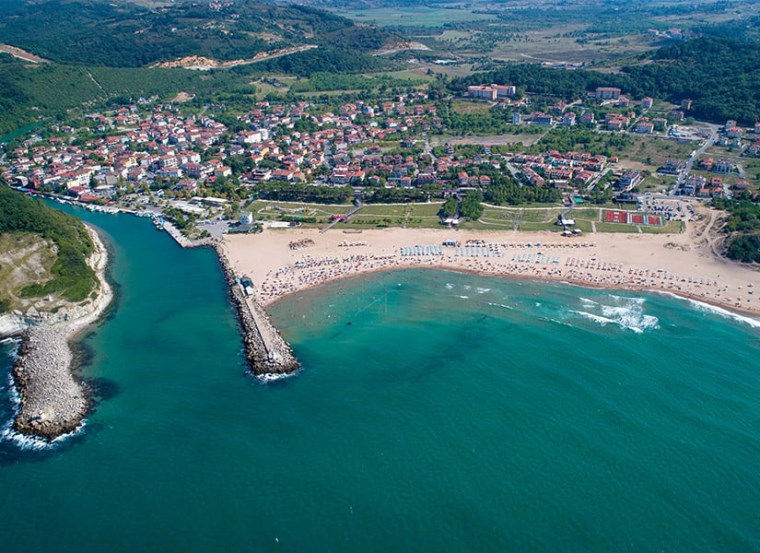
x: 281, y: 262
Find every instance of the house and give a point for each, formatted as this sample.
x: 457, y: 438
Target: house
x: 686, y: 104
x: 723, y: 166
x: 672, y: 167
x: 647, y: 103
x: 222, y: 171
x: 733, y: 132
x: 706, y: 163
x: 644, y: 127
x: 568, y: 119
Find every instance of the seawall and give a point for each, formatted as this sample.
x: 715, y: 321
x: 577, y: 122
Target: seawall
x: 266, y: 351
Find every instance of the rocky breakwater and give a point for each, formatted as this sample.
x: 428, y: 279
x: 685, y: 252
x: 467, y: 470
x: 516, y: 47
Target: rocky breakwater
x: 267, y: 352
x: 53, y: 400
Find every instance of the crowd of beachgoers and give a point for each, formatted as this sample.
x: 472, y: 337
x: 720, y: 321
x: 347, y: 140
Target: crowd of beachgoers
x: 527, y: 260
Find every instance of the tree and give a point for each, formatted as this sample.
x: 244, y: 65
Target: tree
x: 471, y: 206
x: 448, y: 209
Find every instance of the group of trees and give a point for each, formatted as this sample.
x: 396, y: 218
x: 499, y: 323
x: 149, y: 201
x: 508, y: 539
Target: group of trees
x: 288, y: 192
x: 743, y: 227
x: 325, y: 59
x: 72, y: 276
x: 720, y: 74
x: 129, y: 35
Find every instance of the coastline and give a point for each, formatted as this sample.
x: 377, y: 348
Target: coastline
x: 54, y: 401
x: 675, y: 264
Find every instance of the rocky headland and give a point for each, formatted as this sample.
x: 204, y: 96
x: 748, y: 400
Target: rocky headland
x: 53, y: 400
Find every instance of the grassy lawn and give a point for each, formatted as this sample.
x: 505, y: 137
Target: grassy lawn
x: 267, y: 210
x: 614, y: 227
x: 588, y: 213
x: 673, y: 227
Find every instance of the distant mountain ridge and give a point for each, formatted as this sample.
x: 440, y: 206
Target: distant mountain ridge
x: 125, y: 34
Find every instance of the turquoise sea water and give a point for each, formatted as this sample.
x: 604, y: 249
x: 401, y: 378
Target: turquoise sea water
x: 435, y: 411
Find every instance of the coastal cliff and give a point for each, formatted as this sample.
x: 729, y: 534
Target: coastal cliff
x: 267, y: 353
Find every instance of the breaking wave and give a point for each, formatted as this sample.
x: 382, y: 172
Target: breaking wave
x: 725, y: 313
x: 627, y: 313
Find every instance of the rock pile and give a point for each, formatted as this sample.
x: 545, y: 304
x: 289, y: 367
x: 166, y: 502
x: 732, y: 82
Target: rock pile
x: 52, y: 401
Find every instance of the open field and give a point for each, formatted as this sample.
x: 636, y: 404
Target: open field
x: 412, y: 16
x: 557, y: 44
x: 652, y: 152
x: 493, y: 140
x: 469, y: 107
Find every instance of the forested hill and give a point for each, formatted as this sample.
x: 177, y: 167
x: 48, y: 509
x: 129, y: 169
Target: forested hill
x: 721, y: 75
x: 123, y: 34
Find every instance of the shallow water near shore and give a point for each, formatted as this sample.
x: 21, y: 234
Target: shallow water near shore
x: 435, y: 411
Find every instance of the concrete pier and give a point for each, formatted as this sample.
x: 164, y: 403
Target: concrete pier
x: 266, y: 350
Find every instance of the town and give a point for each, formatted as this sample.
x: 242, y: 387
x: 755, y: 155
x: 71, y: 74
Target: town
x: 201, y: 176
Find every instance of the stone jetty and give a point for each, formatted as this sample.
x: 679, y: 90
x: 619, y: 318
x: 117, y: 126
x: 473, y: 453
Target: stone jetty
x: 266, y: 351
x: 53, y: 402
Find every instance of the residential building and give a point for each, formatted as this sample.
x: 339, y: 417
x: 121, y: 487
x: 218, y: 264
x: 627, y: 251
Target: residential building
x: 607, y: 93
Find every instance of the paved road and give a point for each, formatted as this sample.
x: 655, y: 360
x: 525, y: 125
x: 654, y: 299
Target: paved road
x: 698, y: 152
x: 348, y: 216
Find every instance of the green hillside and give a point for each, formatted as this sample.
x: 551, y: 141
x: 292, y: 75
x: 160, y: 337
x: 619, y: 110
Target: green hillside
x: 122, y: 34
x: 72, y: 277
x: 28, y: 92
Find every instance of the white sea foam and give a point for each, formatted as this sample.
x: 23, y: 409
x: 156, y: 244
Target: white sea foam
x: 464, y: 297
x: 273, y: 377
x: 449, y: 286
x: 24, y: 441
x: 627, y: 313
x: 483, y: 290
x: 725, y: 313
x: 500, y: 305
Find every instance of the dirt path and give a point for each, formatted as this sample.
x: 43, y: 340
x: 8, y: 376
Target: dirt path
x: 21, y: 54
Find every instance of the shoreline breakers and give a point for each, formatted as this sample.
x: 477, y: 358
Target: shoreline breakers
x: 268, y: 355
